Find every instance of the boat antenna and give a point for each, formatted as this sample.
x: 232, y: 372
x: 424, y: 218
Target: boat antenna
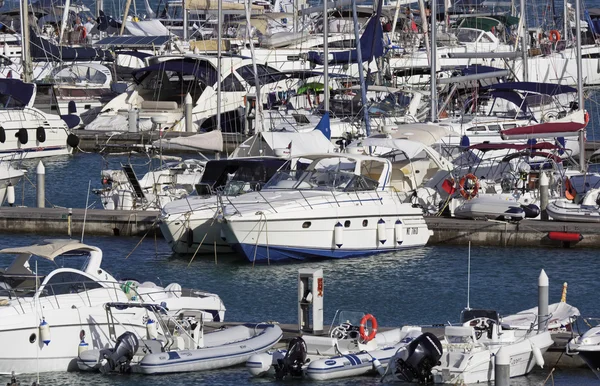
x: 469, y: 278
x: 87, y: 199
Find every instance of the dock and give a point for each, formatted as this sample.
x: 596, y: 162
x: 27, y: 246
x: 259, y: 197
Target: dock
x: 454, y: 231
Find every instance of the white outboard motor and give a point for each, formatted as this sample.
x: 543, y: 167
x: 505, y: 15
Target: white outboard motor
x: 126, y: 346
x: 413, y: 363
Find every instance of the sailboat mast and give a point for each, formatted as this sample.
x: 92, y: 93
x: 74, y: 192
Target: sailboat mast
x: 326, y: 55
x: 433, y: 61
x: 65, y: 20
x: 361, y: 75
x: 524, y: 42
x: 582, y: 166
x: 25, y: 56
x: 127, y: 5
x: 219, y: 42
x: 258, y: 113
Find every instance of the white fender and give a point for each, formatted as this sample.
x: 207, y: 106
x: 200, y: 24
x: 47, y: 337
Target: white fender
x: 381, y: 236
x: 338, y: 234
x: 151, y: 331
x: 10, y: 194
x: 45, y: 332
x: 261, y: 364
x: 82, y: 347
x: 399, y: 232
x: 537, y: 354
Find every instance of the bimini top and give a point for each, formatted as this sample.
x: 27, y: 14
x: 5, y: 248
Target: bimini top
x: 539, y: 88
x: 51, y: 250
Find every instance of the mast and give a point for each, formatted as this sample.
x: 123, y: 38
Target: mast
x: 433, y: 61
x: 361, y: 75
x: 523, y: 22
x: 326, y: 55
x: 25, y: 56
x: 582, y: 166
x: 219, y: 42
x: 127, y: 5
x: 65, y: 20
x: 258, y: 114
x: 566, y: 20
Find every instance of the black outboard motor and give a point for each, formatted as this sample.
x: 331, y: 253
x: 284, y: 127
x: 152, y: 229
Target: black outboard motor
x: 413, y: 363
x: 531, y: 210
x: 126, y: 346
x: 293, y: 361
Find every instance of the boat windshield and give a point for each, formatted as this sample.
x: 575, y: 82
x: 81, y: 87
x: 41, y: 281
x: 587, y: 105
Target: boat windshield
x: 335, y: 180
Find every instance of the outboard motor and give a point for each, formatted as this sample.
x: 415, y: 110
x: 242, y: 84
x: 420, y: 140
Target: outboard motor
x: 126, y: 346
x: 413, y: 363
x: 293, y: 361
x: 531, y: 210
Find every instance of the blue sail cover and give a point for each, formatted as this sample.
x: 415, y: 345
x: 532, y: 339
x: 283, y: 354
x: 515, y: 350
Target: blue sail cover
x: 513, y: 97
x: 539, y: 88
x: 17, y: 89
x: 201, y: 69
x: 42, y: 50
x: 371, y: 46
x: 324, y: 126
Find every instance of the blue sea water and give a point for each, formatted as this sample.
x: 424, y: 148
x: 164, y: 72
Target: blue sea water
x: 421, y: 286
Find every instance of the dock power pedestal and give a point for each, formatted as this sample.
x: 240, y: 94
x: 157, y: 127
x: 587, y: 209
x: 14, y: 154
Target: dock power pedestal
x: 310, y: 301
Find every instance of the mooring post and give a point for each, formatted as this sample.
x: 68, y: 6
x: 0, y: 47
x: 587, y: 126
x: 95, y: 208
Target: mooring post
x: 41, y: 185
x: 544, y: 182
x: 189, y: 126
x: 502, y: 368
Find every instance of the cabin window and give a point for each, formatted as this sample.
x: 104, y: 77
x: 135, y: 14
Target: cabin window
x: 347, y: 224
x: 477, y: 129
x: 365, y: 223
x: 231, y: 84
x: 68, y: 283
x: 495, y: 128
x: 306, y: 224
x: 510, y: 126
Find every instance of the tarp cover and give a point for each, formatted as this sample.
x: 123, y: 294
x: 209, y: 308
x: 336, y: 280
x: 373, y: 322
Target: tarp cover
x: 146, y: 28
x: 212, y: 141
x: 49, y: 251
x: 540, y: 88
x: 43, y: 50
x: 17, y: 89
x: 544, y: 129
x: 201, y: 69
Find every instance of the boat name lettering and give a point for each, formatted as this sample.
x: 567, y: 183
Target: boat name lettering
x: 243, y: 346
x: 330, y: 363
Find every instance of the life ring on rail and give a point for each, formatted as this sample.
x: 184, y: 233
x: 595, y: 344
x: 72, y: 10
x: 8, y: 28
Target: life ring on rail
x: 82, y: 32
x: 554, y: 35
x: 586, y: 118
x: 363, y: 323
x: 469, y: 192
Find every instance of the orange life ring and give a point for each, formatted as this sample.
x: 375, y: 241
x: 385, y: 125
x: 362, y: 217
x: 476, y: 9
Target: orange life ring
x: 82, y: 32
x: 586, y: 118
x: 554, y: 35
x: 363, y: 323
x: 469, y: 193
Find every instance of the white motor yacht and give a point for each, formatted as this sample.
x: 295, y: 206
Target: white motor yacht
x: 46, y: 320
x: 324, y: 206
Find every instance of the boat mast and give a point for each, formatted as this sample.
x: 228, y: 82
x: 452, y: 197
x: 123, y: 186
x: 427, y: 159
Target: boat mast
x: 127, y: 5
x: 258, y: 113
x: 361, y: 75
x: 523, y: 22
x: 25, y: 56
x: 582, y: 166
x: 326, y: 56
x: 433, y: 61
x: 219, y: 42
x: 65, y: 20
x: 566, y: 20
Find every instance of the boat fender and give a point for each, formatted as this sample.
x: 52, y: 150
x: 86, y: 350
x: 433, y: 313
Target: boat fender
x: 2, y: 135
x: 399, y: 232
x: 531, y: 210
x: 83, y: 346
x: 45, y: 332
x: 73, y: 140
x: 363, y: 330
x: 381, y: 231
x: 190, y: 237
x: 40, y: 134
x: 537, y: 353
x: 565, y: 236
x: 377, y: 366
x: 151, y: 331
x: 22, y: 136
x: 338, y: 234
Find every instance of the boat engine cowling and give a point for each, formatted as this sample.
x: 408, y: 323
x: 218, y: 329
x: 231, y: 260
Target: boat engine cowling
x: 125, y: 348
x: 531, y: 210
x: 413, y: 362
x: 293, y: 361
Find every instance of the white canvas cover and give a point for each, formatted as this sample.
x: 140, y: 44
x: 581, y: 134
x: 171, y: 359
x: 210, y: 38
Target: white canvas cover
x: 146, y: 28
x: 212, y: 141
x: 284, y: 144
x: 49, y: 251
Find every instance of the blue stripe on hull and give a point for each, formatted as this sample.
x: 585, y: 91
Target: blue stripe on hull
x: 279, y: 253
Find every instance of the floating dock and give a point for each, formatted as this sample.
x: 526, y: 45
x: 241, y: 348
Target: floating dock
x: 526, y: 233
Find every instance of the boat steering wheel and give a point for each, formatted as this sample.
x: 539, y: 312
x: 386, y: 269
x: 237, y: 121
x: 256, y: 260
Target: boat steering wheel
x: 341, y: 331
x: 480, y: 325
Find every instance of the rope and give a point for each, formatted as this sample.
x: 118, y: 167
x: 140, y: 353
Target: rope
x: 143, y: 237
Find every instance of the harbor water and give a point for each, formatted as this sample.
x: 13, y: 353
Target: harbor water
x: 423, y: 286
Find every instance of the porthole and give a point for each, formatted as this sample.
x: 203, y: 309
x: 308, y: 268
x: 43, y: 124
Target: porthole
x: 365, y: 223
x: 306, y: 224
x: 32, y: 338
x: 347, y: 224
